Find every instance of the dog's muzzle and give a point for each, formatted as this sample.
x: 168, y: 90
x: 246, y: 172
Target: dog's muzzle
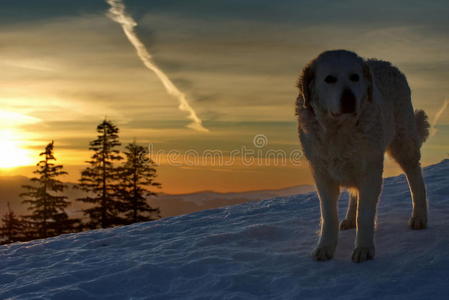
x: 347, y: 102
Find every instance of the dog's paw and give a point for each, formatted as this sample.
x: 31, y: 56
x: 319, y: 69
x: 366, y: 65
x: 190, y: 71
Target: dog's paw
x: 361, y: 254
x: 323, y: 253
x: 347, y: 224
x: 417, y: 223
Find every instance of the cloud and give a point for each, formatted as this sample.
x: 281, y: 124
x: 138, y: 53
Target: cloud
x: 6, y: 117
x: 118, y: 14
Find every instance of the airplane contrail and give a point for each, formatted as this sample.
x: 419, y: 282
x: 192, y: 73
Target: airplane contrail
x: 117, y: 13
x: 437, y: 117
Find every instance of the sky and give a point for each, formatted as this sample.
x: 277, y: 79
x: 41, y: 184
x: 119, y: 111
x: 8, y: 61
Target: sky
x: 66, y: 66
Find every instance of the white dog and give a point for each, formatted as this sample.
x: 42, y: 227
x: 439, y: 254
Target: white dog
x: 350, y: 112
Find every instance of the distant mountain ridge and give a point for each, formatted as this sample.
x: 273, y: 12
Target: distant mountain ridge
x: 170, y: 204
x: 180, y: 204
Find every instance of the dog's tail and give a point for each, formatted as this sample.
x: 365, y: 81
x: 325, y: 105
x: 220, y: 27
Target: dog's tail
x: 422, y: 126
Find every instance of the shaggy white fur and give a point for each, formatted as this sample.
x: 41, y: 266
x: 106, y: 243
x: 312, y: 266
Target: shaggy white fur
x: 350, y: 112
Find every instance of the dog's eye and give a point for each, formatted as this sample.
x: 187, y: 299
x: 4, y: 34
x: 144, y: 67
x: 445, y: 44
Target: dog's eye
x: 354, y: 77
x: 330, y: 79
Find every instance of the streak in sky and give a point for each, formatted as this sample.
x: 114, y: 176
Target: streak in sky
x: 438, y: 116
x: 117, y: 13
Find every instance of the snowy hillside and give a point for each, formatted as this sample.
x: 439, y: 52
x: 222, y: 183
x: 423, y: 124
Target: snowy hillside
x: 258, y: 250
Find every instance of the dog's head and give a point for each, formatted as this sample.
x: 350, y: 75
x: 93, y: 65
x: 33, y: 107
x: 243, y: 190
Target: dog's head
x: 336, y: 83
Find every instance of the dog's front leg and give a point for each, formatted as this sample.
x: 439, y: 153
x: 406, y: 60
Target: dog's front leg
x: 328, y: 191
x: 369, y: 191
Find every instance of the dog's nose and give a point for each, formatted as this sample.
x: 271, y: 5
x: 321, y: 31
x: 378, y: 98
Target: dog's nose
x: 347, y: 102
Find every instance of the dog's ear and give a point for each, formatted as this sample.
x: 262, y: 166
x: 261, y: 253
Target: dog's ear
x: 305, y: 84
x: 369, y: 81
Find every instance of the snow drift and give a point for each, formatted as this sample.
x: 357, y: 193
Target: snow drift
x: 257, y: 250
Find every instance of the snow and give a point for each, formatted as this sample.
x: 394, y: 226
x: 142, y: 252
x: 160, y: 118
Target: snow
x: 257, y: 250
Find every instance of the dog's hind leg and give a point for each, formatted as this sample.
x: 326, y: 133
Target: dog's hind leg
x: 350, y: 220
x: 407, y: 154
x: 418, y: 219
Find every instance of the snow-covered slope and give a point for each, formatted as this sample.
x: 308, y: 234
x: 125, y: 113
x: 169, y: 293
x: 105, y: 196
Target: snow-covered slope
x: 258, y: 250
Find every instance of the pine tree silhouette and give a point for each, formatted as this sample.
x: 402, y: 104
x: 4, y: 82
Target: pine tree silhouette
x: 11, y: 230
x: 99, y: 180
x: 44, y: 196
x: 137, y: 175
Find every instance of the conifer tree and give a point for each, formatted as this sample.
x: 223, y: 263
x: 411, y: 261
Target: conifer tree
x: 11, y: 229
x: 28, y: 229
x: 44, y: 195
x: 99, y: 180
x: 63, y: 224
x: 137, y: 177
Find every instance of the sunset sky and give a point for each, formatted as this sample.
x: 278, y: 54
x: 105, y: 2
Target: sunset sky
x: 65, y: 66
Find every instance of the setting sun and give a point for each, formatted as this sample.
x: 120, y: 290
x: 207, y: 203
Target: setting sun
x: 11, y: 153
